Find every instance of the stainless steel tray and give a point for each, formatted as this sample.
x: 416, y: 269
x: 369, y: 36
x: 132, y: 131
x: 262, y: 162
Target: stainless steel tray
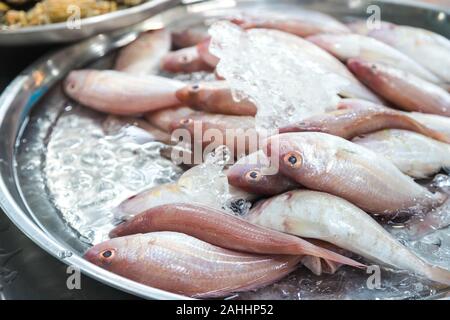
x: 34, y: 97
x: 60, y: 33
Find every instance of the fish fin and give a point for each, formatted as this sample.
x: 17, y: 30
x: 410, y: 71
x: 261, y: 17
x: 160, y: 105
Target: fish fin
x: 330, y: 266
x: 439, y: 274
x: 330, y: 255
x: 313, y: 264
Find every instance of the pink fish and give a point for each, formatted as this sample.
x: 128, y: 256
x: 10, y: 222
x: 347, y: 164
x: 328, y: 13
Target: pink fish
x: 350, y: 123
x: 120, y: 93
x: 403, y: 89
x: 331, y: 164
x: 185, y: 265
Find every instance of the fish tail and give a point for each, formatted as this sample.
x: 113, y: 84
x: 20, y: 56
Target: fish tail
x: 438, y: 274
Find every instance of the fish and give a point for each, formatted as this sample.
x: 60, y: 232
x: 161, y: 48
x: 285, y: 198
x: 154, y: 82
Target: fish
x: 350, y: 123
x: 435, y: 122
x: 162, y: 119
x: 120, y: 93
x: 143, y: 55
x: 186, y: 60
x: 139, y: 130
x: 189, y: 37
x: 314, y: 55
x: 328, y: 163
x: 205, y: 54
x: 401, y: 88
x: 250, y: 174
x: 215, y: 97
x: 208, y: 131
x: 428, y: 48
x: 412, y: 153
x: 347, y: 46
x: 182, y: 264
x: 301, y: 23
x: 223, y: 230
x: 326, y: 217
x: 203, y: 184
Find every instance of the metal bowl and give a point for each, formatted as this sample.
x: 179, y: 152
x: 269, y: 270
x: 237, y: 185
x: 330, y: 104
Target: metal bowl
x: 61, y: 33
x: 24, y: 102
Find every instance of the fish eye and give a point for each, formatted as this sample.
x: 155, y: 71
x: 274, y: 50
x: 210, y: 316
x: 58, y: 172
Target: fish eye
x: 71, y: 85
x: 195, y: 87
x: 186, y: 121
x: 253, y: 176
x: 107, y: 254
x: 184, y: 59
x: 293, y: 160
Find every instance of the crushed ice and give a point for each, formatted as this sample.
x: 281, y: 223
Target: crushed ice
x: 302, y: 88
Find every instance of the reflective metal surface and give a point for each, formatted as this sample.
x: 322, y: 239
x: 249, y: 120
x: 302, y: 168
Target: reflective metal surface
x: 39, y: 85
x: 61, y: 32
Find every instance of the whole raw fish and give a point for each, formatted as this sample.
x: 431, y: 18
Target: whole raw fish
x: 414, y: 154
x: 331, y: 164
x: 185, y: 265
x: 300, y: 23
x: 435, y: 122
x: 424, y: 46
x: 326, y: 217
x: 347, y: 46
x: 121, y: 93
x: 186, y: 60
x: 249, y: 174
x: 203, y: 184
x: 143, y: 56
x: 349, y: 123
x: 163, y: 118
x: 224, y: 230
x: 403, y: 89
x: 215, y: 97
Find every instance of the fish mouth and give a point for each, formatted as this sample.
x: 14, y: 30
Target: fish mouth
x: 91, y: 256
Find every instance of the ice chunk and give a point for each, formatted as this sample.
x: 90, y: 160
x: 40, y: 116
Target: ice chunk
x: 277, y: 72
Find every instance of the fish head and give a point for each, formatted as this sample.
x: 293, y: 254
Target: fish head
x: 190, y: 94
x: 365, y: 71
x: 289, y: 154
x: 75, y: 82
x: 183, y: 123
x: 247, y: 177
x: 179, y: 61
x: 108, y: 255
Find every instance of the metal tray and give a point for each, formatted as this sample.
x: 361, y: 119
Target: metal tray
x: 36, y: 93
x: 60, y: 33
